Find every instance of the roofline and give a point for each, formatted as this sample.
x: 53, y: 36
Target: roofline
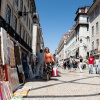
x: 80, y: 8
x: 33, y: 5
x: 96, y: 2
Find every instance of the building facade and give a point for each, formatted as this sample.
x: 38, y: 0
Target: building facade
x: 71, y: 44
x: 82, y: 31
x: 94, y: 23
x: 18, y: 25
x: 37, y: 37
x: 61, y: 54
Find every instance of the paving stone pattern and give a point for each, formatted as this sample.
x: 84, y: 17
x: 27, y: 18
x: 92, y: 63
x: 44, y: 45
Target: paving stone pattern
x: 68, y: 86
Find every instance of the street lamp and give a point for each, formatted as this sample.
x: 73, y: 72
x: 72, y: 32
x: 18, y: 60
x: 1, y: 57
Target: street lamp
x: 88, y: 38
x: 35, y: 17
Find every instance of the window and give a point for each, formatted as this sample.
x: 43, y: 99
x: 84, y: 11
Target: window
x: 92, y: 16
x: 87, y: 28
x: 15, y: 23
x: 16, y: 1
x: 28, y: 3
x: 97, y: 10
x: 97, y: 27
x: 8, y: 14
x: 0, y: 3
x: 20, y: 29
x: 92, y: 30
x: 97, y: 43
x: 26, y: 37
x: 23, y: 34
x: 93, y: 45
x: 21, y: 5
x: 29, y: 24
x: 87, y: 19
x: 27, y: 19
x: 24, y: 11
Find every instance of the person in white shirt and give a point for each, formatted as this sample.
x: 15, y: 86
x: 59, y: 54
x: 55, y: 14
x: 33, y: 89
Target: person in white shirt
x: 40, y: 63
x: 97, y: 64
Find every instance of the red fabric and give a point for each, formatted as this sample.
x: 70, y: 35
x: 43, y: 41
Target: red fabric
x: 91, y: 60
x: 55, y: 72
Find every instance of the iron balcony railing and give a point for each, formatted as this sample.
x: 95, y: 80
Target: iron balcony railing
x: 13, y: 34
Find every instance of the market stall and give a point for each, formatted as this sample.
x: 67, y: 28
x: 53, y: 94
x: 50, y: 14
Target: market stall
x: 9, y: 81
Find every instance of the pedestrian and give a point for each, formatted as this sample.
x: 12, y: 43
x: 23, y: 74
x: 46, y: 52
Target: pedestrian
x: 80, y: 63
x: 91, y: 63
x: 65, y: 64
x: 96, y: 64
x: 48, y: 56
x: 40, y: 63
x: 55, y: 58
x: 71, y: 63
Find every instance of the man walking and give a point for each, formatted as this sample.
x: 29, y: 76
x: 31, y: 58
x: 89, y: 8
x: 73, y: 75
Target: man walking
x: 91, y: 63
x: 39, y: 67
x: 97, y: 64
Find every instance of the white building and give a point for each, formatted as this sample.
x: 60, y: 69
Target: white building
x: 94, y: 26
x: 17, y: 24
x: 37, y: 36
x: 82, y: 32
x: 61, y: 49
x: 71, y: 44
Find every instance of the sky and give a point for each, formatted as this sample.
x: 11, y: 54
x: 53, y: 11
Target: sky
x: 57, y: 18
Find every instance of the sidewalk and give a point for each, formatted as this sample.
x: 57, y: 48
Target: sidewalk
x: 69, y: 86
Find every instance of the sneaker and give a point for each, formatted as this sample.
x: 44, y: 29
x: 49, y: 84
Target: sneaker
x: 36, y: 76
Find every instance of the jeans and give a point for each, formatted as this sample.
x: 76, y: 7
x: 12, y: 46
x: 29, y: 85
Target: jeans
x: 39, y: 68
x: 90, y: 68
x: 96, y: 69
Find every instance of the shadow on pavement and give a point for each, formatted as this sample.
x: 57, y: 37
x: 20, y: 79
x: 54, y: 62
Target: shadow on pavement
x: 43, y: 80
x: 64, y: 82
x: 63, y: 96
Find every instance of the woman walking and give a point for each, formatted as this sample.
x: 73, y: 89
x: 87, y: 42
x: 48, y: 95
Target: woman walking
x: 71, y: 63
x: 80, y: 63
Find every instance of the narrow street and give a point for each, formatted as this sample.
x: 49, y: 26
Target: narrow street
x: 68, y: 86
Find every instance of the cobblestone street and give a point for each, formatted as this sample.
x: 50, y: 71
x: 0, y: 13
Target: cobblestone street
x: 68, y: 86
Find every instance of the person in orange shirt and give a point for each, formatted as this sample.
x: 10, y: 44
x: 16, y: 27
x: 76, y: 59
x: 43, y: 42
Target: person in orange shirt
x: 48, y: 58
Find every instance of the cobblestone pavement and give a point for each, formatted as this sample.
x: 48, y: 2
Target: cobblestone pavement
x: 68, y: 86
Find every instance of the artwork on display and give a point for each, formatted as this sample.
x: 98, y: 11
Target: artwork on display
x: 3, y: 41
x: 7, y: 49
x: 11, y: 55
x: 6, y: 93
x: 13, y: 77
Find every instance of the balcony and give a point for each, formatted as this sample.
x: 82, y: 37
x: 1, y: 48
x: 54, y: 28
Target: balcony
x: 13, y: 34
x: 81, y: 22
